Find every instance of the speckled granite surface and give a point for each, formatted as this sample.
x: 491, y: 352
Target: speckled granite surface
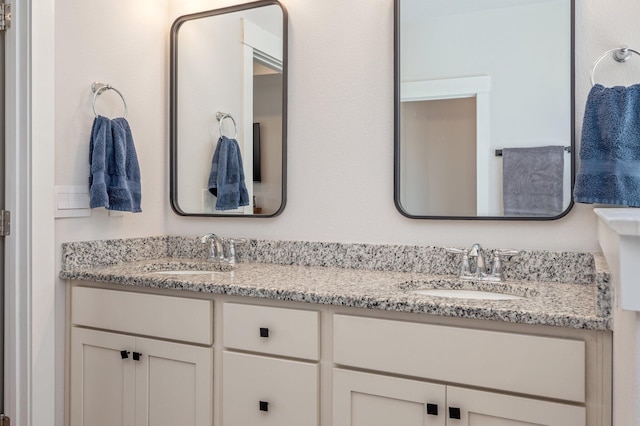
x: 560, y: 289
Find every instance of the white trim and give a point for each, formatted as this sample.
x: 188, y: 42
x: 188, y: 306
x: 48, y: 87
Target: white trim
x: 446, y: 88
x: 17, y: 278
x: 42, y: 223
x: 30, y: 341
x: 267, y: 43
x: 267, y: 48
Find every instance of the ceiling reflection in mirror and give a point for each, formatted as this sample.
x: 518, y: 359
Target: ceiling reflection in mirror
x: 484, y: 108
x: 228, y: 78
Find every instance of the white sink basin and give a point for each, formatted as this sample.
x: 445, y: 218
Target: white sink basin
x: 466, y: 294
x: 189, y: 272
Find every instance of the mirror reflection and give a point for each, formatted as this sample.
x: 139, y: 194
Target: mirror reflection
x: 228, y: 111
x: 484, y: 108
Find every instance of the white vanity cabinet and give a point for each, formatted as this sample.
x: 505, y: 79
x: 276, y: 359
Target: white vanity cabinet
x: 365, y: 399
x: 118, y: 378
x: 509, y: 363
x: 281, y: 363
x: 266, y: 386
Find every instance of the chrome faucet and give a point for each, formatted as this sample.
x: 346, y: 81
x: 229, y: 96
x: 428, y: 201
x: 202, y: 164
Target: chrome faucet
x: 217, y: 245
x: 481, y: 266
x: 478, y: 269
x: 216, y: 249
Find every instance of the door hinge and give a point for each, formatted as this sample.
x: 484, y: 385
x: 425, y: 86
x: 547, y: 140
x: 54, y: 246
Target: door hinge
x: 4, y: 420
x: 5, y: 228
x: 5, y: 20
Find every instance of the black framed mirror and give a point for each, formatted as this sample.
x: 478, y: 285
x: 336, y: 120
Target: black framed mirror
x: 228, y: 111
x: 484, y: 109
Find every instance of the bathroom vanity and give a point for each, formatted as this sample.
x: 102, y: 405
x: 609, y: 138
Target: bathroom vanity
x: 171, y: 340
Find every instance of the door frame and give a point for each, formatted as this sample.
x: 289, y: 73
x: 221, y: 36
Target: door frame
x: 30, y: 397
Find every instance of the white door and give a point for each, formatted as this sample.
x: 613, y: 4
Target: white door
x: 477, y: 408
x: 102, y: 379
x: 363, y: 399
x: 264, y: 391
x: 174, y: 384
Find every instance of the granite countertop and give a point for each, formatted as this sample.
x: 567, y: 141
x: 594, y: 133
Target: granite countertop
x: 561, y: 304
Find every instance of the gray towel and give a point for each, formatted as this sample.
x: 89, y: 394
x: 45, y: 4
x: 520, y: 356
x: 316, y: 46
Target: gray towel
x: 226, y: 180
x: 532, y: 181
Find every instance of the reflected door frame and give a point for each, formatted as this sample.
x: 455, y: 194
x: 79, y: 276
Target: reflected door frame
x: 478, y: 87
x: 261, y: 46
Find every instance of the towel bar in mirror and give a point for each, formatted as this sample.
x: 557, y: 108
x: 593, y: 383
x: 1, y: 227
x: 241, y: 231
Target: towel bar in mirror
x: 234, y: 60
x: 473, y: 77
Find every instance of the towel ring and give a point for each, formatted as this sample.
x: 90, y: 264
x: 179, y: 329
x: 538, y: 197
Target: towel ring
x: 220, y: 116
x: 621, y: 54
x: 98, y: 88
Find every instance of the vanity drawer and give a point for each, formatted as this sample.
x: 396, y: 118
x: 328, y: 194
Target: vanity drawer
x: 533, y: 365
x: 258, y: 390
x: 275, y: 331
x: 166, y: 317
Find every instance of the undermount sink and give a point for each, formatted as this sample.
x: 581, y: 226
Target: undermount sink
x: 466, y: 294
x: 189, y: 272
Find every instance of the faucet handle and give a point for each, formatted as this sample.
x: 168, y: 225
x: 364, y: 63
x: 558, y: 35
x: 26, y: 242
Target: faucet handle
x: 496, y: 265
x: 465, y: 269
x: 232, y: 248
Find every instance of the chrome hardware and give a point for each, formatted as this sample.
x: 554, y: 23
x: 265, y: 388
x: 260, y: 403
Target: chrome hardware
x: 216, y: 250
x: 496, y: 266
x: 474, y: 265
x: 98, y: 88
x: 465, y: 269
x: 481, y: 267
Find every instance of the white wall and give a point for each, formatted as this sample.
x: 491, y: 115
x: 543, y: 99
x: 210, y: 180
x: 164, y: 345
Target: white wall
x: 340, y: 183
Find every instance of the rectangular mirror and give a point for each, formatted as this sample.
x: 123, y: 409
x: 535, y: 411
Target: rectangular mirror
x: 484, y: 108
x: 229, y: 78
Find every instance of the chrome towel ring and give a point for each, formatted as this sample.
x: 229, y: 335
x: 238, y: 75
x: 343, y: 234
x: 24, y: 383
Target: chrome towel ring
x: 220, y: 116
x: 621, y: 54
x: 98, y: 88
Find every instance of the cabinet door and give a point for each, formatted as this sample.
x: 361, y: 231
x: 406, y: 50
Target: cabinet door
x: 479, y: 408
x: 363, y: 399
x: 263, y: 391
x: 102, y: 382
x: 174, y: 384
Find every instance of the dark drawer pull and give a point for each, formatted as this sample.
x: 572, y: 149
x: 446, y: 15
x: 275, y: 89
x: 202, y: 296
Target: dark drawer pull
x: 124, y: 354
x: 264, y: 332
x: 432, y: 409
x: 264, y: 406
x: 136, y: 356
x: 454, y: 413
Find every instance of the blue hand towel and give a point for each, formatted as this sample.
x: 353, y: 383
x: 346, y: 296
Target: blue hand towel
x: 532, y: 181
x: 115, y: 173
x: 100, y: 142
x: 226, y: 180
x: 610, y: 147
x: 125, y: 193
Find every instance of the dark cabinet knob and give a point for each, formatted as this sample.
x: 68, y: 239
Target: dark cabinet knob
x: 136, y: 356
x: 124, y: 354
x: 432, y: 409
x: 264, y: 406
x: 454, y: 413
x: 264, y: 332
